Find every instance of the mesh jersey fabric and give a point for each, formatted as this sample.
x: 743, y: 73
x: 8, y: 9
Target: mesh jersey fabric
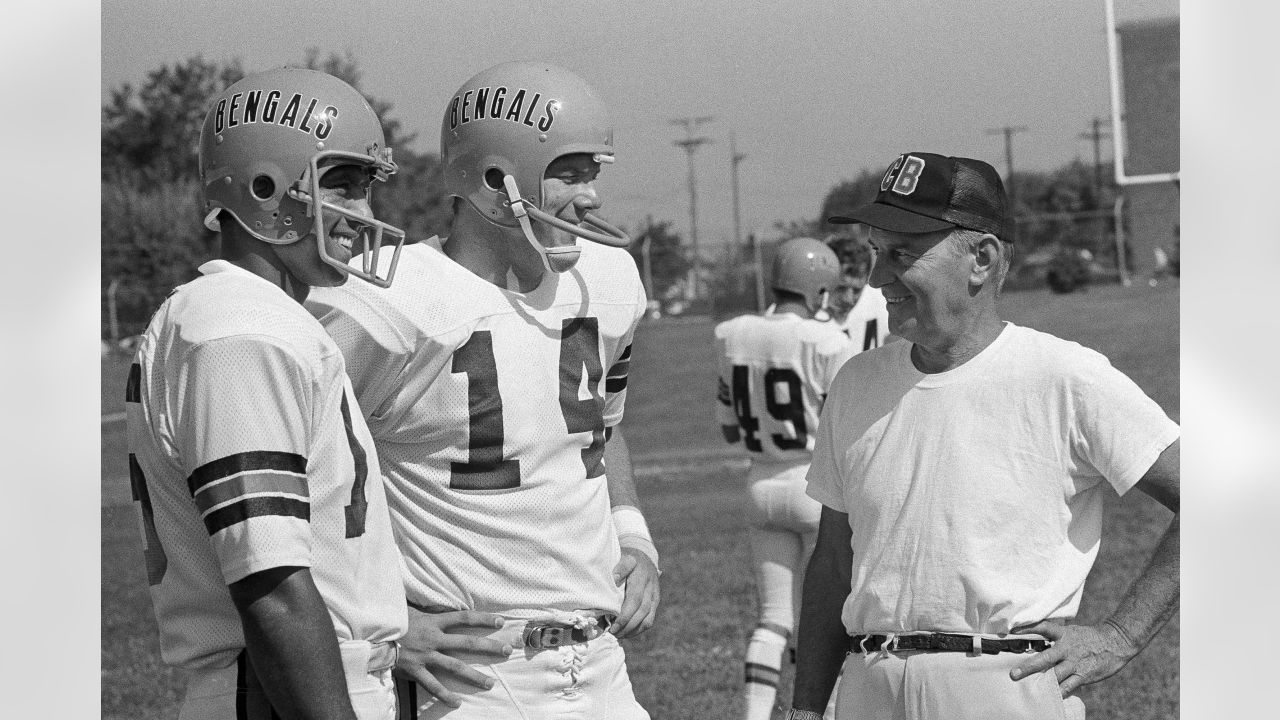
x: 867, y: 323
x: 247, y: 452
x: 975, y: 495
x: 488, y: 408
x: 774, y: 372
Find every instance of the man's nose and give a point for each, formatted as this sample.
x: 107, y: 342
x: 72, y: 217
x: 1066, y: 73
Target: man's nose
x: 588, y: 199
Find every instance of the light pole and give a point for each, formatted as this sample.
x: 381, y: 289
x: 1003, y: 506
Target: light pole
x: 735, y: 158
x: 690, y: 145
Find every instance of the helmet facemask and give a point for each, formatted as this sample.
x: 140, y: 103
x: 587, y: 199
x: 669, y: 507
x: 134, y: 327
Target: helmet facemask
x: 369, y: 230
x: 563, y: 258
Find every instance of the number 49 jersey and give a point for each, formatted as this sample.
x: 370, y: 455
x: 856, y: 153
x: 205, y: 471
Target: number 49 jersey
x: 489, y: 410
x: 774, y: 375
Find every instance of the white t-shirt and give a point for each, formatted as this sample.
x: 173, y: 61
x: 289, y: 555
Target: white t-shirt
x: 774, y: 374
x: 975, y: 495
x: 247, y: 452
x: 867, y: 323
x: 489, y: 410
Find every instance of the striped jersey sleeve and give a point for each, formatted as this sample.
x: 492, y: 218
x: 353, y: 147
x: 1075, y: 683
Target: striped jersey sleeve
x: 242, y: 432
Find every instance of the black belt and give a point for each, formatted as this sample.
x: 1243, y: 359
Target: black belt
x: 945, y: 642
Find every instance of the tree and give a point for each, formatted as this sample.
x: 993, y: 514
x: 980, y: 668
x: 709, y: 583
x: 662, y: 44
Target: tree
x: 152, y: 238
x: 844, y: 198
x: 668, y: 263
x: 150, y: 134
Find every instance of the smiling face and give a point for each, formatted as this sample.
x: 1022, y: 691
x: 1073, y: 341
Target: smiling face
x: 568, y: 192
x: 347, y: 186
x: 925, y: 281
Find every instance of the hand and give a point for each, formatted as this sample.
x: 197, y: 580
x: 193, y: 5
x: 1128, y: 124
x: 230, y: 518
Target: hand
x: 640, y: 598
x: 427, y: 649
x: 1081, y: 654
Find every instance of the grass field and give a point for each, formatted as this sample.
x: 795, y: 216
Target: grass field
x: 692, y: 487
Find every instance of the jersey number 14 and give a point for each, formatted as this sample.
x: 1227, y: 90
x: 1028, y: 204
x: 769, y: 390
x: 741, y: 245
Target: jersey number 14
x: 485, y: 468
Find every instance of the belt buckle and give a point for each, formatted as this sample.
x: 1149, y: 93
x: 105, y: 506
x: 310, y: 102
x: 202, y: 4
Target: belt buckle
x: 541, y: 637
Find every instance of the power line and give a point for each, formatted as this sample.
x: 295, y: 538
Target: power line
x: 735, y: 158
x: 690, y: 145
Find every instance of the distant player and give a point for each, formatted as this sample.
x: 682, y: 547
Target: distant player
x: 774, y: 373
x: 494, y: 374
x: 274, y: 575
x: 859, y: 308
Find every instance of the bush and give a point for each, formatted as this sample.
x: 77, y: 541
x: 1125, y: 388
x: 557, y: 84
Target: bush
x: 1067, y: 272
x: 152, y: 241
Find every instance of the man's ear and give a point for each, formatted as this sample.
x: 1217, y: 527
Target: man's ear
x: 986, y: 259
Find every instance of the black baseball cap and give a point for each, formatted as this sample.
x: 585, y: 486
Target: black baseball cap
x: 925, y: 192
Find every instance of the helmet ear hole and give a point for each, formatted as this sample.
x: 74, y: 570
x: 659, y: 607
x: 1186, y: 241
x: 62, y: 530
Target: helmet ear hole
x: 263, y: 187
x: 493, y: 178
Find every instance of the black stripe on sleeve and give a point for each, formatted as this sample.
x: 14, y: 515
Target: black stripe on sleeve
x: 614, y: 385
x: 626, y: 354
x: 245, y: 461
x: 257, y: 506
x: 133, y: 388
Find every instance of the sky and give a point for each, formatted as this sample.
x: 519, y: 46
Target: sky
x: 811, y: 92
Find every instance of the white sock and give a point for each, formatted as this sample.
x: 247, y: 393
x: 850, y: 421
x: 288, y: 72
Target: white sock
x: 763, y: 668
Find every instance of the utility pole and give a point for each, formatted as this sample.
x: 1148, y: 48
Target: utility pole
x: 1008, y: 132
x: 690, y: 145
x: 735, y: 158
x: 1096, y: 136
x: 759, y: 273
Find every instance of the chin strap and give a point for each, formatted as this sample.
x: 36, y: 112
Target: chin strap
x: 560, y: 259
x: 822, y: 314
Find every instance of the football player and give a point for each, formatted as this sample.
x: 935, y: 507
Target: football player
x: 273, y: 571
x: 494, y: 373
x: 859, y: 308
x: 774, y: 373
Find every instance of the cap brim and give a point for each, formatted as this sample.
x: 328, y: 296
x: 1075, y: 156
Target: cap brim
x: 893, y: 219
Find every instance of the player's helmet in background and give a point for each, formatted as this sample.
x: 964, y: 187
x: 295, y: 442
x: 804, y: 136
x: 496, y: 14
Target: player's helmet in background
x: 808, y: 268
x: 264, y: 145
x: 502, y: 129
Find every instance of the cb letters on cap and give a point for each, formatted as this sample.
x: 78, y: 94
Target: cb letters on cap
x: 907, y: 169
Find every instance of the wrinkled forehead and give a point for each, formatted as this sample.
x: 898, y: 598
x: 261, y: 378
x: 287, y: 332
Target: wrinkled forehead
x: 883, y: 239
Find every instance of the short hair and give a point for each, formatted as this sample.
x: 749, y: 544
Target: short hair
x: 854, y: 254
x: 963, y: 239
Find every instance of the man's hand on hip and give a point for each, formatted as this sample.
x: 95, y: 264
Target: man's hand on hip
x: 1081, y: 654
x: 640, y: 597
x: 428, y: 649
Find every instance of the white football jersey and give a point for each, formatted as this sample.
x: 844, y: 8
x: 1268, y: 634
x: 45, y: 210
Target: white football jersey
x: 867, y: 323
x: 489, y: 410
x: 774, y: 374
x: 247, y: 451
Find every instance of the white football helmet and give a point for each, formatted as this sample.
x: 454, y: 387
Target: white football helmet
x: 502, y: 129
x: 264, y: 145
x: 808, y: 268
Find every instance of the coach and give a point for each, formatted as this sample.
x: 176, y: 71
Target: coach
x: 962, y: 476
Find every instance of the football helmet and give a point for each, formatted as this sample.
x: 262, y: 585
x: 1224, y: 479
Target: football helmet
x: 502, y: 129
x: 265, y: 143
x: 808, y: 268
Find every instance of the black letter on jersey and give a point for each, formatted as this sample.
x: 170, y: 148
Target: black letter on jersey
x: 485, y: 469
x: 579, y: 349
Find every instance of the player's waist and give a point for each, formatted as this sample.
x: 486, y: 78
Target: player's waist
x: 540, y: 628
x: 972, y: 643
